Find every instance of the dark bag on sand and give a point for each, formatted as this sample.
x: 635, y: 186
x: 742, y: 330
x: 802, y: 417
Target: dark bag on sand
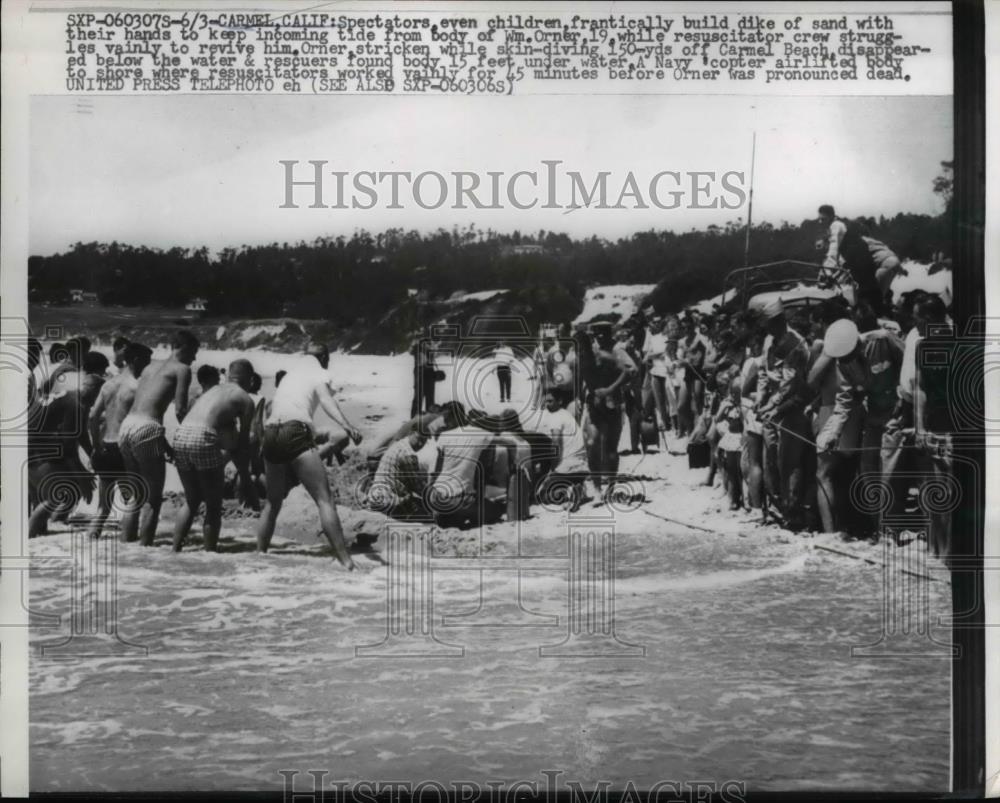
x: 699, y: 455
x: 649, y: 433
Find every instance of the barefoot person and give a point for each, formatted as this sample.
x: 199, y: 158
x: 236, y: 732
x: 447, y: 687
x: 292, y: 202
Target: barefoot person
x: 289, y: 445
x: 606, y: 368
x: 106, y: 418
x: 217, y: 424
x: 141, y: 436
x: 57, y: 478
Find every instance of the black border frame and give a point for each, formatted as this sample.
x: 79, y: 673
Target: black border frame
x: 968, y: 685
x: 968, y: 603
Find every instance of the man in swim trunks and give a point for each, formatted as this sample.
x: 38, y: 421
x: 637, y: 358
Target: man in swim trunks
x: 106, y: 417
x: 141, y: 436
x: 289, y: 445
x: 202, y: 447
x: 207, y: 377
x: 57, y: 479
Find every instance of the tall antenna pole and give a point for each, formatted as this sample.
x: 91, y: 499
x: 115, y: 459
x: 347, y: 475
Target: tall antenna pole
x: 753, y: 160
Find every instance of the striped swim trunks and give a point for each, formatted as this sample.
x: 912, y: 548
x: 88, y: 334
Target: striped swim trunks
x: 142, y: 439
x: 196, y: 448
x: 285, y: 441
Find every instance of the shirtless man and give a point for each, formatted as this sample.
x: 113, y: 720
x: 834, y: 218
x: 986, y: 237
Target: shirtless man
x: 290, y: 445
x: 57, y: 477
x: 73, y: 352
x: 120, y: 349
x: 106, y: 418
x: 141, y: 435
x: 202, y: 447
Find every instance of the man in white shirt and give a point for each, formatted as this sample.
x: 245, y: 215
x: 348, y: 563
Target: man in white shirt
x: 565, y: 482
x: 654, y: 354
x: 289, y: 444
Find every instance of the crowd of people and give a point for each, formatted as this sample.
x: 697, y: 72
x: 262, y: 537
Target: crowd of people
x: 795, y: 409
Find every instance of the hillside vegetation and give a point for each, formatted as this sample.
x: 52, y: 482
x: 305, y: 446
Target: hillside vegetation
x: 372, y: 292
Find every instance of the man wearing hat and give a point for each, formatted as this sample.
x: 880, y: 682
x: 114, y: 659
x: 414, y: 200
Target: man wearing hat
x: 868, y: 364
x: 781, y: 391
x: 289, y: 444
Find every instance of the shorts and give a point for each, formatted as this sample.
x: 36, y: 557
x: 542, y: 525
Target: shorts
x: 731, y: 442
x: 107, y: 459
x: 196, y: 448
x: 601, y: 414
x: 142, y: 439
x: 285, y: 441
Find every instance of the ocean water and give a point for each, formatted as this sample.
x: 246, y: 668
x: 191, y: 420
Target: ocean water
x: 747, y: 673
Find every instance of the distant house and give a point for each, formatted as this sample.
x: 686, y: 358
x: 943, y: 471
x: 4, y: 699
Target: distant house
x: 196, y: 304
x: 523, y: 250
x: 78, y: 296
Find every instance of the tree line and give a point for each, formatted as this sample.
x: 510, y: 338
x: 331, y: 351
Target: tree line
x: 348, y: 280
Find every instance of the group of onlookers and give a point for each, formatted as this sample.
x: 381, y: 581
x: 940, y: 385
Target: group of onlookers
x: 805, y: 408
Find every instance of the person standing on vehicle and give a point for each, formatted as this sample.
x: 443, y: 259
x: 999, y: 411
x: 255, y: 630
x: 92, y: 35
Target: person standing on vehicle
x: 845, y: 244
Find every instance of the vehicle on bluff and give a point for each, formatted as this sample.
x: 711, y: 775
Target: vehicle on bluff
x: 795, y: 283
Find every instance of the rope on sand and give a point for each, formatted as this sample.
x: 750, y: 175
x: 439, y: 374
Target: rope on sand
x: 682, y: 523
x: 919, y: 575
x: 876, y: 563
